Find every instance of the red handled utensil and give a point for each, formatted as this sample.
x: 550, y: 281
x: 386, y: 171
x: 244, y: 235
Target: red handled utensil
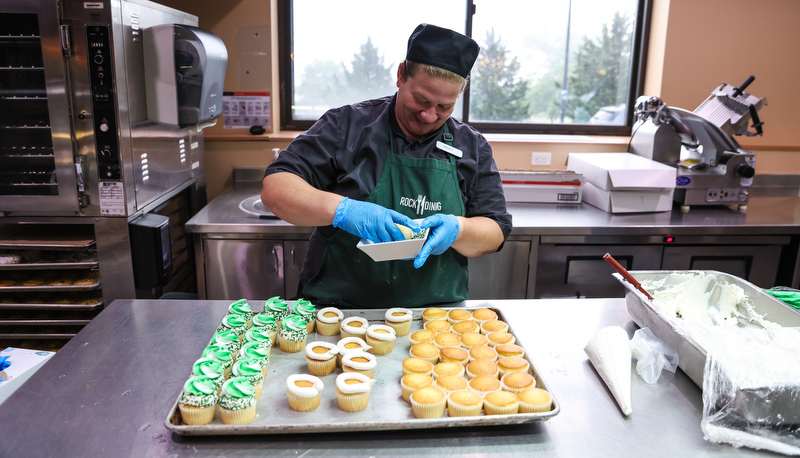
x: 610, y: 259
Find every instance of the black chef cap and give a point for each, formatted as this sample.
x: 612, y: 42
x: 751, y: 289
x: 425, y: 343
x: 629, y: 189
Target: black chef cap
x: 442, y: 48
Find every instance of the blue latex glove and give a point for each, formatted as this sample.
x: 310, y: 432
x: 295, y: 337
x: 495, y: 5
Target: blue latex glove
x: 444, y: 231
x: 371, y: 221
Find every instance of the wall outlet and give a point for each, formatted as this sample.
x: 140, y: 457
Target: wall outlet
x: 540, y: 158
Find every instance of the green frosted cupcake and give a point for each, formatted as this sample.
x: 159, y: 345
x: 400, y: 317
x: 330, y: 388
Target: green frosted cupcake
x: 198, y: 401
x: 250, y: 369
x: 258, y: 335
x: 242, y: 308
x: 276, y: 307
x: 267, y: 323
x: 211, y: 368
x: 235, y: 323
x: 221, y: 354
x: 307, y: 310
x: 227, y: 338
x: 237, y: 404
x: 257, y: 351
x: 292, y: 334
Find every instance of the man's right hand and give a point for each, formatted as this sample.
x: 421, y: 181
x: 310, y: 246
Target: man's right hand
x: 371, y: 221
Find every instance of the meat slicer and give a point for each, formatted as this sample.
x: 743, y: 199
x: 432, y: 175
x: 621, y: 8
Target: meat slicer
x: 712, y: 168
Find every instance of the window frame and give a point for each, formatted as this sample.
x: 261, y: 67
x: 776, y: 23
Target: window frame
x: 641, y: 34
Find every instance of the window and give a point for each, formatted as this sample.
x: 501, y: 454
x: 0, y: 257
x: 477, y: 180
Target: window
x: 558, y: 66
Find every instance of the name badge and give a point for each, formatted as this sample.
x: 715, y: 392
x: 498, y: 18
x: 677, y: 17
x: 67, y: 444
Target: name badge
x: 449, y: 149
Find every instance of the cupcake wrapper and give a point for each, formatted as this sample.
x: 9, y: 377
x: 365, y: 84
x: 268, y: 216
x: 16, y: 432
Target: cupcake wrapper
x: 310, y: 326
x: 369, y: 372
x: 352, y: 402
x: 459, y: 410
x: 239, y: 416
x: 530, y: 408
x: 406, y: 392
x: 259, y: 388
x: 505, y: 387
x: 428, y: 410
x: 320, y: 368
x: 401, y: 328
x: 292, y: 347
x: 428, y: 372
x: 302, y: 404
x: 328, y: 329
x: 492, y: 409
x: 506, y: 371
x: 198, y: 415
x: 380, y: 347
x: 346, y: 334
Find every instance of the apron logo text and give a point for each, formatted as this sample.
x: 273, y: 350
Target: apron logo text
x: 420, y: 204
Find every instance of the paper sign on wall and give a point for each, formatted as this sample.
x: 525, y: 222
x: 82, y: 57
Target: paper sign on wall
x: 243, y: 110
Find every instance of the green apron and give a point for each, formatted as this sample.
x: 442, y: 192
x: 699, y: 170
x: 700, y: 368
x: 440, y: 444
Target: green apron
x: 349, y: 277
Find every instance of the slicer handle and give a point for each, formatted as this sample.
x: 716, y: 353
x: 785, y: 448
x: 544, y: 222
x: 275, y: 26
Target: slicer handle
x: 756, y: 122
x: 738, y: 91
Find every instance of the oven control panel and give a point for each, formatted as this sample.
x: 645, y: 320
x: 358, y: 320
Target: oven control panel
x: 103, y: 103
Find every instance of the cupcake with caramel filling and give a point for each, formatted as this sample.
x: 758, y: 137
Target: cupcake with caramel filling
x: 500, y: 338
x: 428, y: 402
x: 329, y: 321
x: 490, y: 326
x: 399, y: 319
x: 533, y: 400
x: 198, y: 401
x: 381, y: 338
x: 349, y: 345
x: 433, y: 314
x: 423, y: 335
x: 354, y: 326
x: 517, y: 381
x: 508, y: 364
x: 464, y: 403
x: 500, y: 403
x: 361, y: 362
x: 237, y: 403
x: 321, y: 358
x: 304, y: 392
x: 456, y: 315
x: 425, y: 350
x: 480, y: 367
x: 352, y: 391
x: 411, y: 382
x: 483, y: 314
x: 417, y: 366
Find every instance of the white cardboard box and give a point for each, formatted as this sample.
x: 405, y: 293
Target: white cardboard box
x: 615, y: 171
x: 24, y: 363
x: 624, y: 182
x: 542, y: 187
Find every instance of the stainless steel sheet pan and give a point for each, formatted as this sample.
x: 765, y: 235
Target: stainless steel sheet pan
x: 386, y: 410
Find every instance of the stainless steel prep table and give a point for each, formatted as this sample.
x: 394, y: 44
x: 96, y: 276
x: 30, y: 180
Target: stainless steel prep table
x: 107, y: 392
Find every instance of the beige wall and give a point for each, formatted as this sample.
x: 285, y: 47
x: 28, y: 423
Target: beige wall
x: 694, y: 45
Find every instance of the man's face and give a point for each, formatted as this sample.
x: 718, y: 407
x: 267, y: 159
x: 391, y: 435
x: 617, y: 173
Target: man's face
x: 424, y: 103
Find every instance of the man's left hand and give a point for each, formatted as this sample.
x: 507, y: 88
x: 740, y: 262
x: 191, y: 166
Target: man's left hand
x: 444, y: 231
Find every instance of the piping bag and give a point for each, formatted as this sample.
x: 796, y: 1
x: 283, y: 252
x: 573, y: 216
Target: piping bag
x: 610, y: 352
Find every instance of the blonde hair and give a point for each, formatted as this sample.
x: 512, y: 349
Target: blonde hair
x: 410, y: 68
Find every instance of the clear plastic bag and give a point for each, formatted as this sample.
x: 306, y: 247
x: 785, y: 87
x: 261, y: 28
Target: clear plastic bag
x: 652, y: 355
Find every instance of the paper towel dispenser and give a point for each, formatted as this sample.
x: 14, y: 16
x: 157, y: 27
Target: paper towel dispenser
x: 184, y: 74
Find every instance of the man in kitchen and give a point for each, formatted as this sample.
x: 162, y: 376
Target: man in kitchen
x: 364, y: 167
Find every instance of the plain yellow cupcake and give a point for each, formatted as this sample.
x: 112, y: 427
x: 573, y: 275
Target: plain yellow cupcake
x: 464, y: 403
x: 433, y: 314
x: 508, y: 364
x: 471, y: 339
x: 483, y: 384
x: 448, y: 383
x: 500, y: 403
x: 509, y: 350
x: 482, y: 366
x: 534, y: 400
x: 465, y: 326
x: 482, y: 352
x: 483, y: 314
x: 413, y: 365
x: 428, y: 402
x: 456, y: 315
x: 490, y: 326
x: 517, y: 381
x: 448, y: 368
x: 411, y: 382
x: 426, y: 351
x: 454, y: 354
x: 400, y: 320
x: 500, y: 338
x: 447, y: 339
x: 437, y: 326
x: 423, y: 335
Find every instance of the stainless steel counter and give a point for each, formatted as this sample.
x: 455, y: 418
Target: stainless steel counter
x: 108, y: 392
